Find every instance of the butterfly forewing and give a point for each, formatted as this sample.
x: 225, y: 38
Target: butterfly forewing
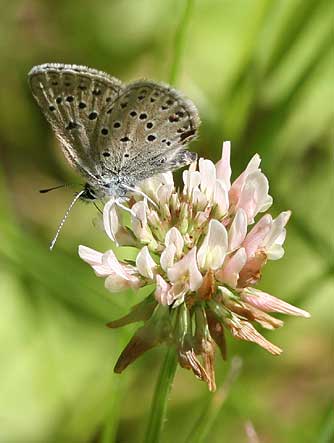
x: 145, y: 131
x: 73, y: 99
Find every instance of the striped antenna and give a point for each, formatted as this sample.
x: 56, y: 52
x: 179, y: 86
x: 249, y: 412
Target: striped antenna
x: 76, y: 198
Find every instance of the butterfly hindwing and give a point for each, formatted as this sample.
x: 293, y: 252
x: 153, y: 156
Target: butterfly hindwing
x: 145, y: 131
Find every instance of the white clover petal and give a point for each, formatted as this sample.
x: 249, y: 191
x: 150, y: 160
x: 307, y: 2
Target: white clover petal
x: 238, y: 230
x: 145, y: 264
x: 110, y: 219
x: 162, y: 291
x: 151, y: 185
x: 174, y: 237
x: 191, y: 180
x: 94, y: 258
x: 208, y: 177
x: 167, y: 257
x: 187, y: 266
x: 277, y: 229
x: 139, y: 222
x: 199, y: 199
x: 275, y: 252
x: 223, y: 166
x: 221, y: 198
x: 164, y: 193
x: 212, y: 252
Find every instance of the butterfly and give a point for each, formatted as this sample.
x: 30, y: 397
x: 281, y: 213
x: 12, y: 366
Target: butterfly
x: 115, y: 135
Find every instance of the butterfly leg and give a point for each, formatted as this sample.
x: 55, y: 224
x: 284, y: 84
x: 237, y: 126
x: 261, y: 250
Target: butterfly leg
x: 139, y: 192
x: 125, y: 208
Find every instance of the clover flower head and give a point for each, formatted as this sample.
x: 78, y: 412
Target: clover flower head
x: 202, y: 249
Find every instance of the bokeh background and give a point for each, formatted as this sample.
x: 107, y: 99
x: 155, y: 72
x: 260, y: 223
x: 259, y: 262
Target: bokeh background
x: 261, y: 73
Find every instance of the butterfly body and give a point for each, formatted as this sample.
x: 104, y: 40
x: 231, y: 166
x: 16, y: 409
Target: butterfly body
x: 114, y: 135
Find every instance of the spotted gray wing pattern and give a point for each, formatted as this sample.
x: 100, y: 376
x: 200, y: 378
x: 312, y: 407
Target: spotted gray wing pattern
x: 145, y: 131
x: 74, y: 99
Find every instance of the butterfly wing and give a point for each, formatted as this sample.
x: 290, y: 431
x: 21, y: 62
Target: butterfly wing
x: 73, y: 98
x: 145, y: 131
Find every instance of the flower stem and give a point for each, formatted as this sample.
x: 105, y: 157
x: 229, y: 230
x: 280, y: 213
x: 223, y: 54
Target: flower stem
x: 179, y: 41
x: 160, y: 398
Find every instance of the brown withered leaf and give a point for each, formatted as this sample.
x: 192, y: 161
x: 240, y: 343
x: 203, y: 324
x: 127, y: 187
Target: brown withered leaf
x: 142, y: 341
x: 207, y: 288
x: 251, y: 272
x: 217, y: 332
x: 140, y: 312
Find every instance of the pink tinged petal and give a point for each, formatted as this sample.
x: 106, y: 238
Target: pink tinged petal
x: 167, y: 257
x: 110, y: 219
x: 110, y: 260
x: 254, y: 196
x: 245, y: 331
x: 269, y: 303
x: 174, y: 237
x: 229, y: 274
x: 221, y: 198
x: 94, y: 258
x: 257, y: 234
x: 115, y: 283
x: 238, y: 184
x: 212, y: 252
x: 161, y: 293
x: 223, y: 167
x: 186, y: 267
x: 208, y: 177
x: 238, y: 230
x: 145, y: 264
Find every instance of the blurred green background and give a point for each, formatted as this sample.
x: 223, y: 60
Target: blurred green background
x: 261, y: 73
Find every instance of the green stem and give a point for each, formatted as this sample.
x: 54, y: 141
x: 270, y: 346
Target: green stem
x: 179, y: 41
x: 160, y: 398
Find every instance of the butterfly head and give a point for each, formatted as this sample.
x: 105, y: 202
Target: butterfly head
x: 89, y: 193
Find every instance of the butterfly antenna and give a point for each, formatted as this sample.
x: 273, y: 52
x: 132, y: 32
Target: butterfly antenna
x: 76, y: 198
x: 44, y: 191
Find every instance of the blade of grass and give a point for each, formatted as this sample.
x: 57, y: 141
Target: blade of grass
x: 112, y: 419
x: 160, y: 398
x: 179, y: 41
